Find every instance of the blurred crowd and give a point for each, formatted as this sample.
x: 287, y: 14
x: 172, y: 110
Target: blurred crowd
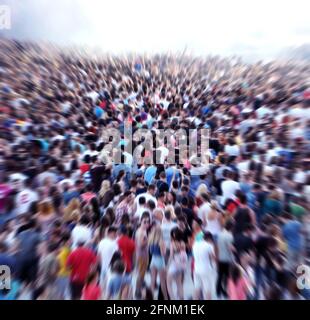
x: 75, y: 226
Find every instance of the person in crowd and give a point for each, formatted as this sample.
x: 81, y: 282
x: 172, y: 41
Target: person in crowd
x: 105, y: 250
x: 158, y: 266
x: 205, y: 273
x: 92, y: 290
x: 225, y: 251
x: 74, y: 195
x: 81, y: 261
x: 237, y: 284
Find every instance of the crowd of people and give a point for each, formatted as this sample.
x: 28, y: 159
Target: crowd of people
x: 76, y: 225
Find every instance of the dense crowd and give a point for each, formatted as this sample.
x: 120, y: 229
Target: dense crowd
x: 74, y: 224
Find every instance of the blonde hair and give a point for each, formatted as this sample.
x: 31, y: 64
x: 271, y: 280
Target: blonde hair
x: 45, y: 208
x: 105, y: 186
x: 202, y: 188
x: 156, y: 236
x: 73, y: 210
x: 171, y: 209
x: 158, y: 214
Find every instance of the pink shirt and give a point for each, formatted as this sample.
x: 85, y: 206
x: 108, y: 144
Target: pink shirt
x: 237, y: 291
x: 87, y: 196
x: 5, y: 191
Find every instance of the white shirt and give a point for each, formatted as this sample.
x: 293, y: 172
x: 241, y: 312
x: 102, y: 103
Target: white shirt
x: 164, y: 153
x: 203, y: 211
x: 300, y: 177
x: 128, y: 158
x: 213, y: 226
x: 243, y: 166
x: 203, y: 252
x: 198, y: 171
x: 166, y: 228
x: 93, y: 95
x: 232, y: 150
x: 24, y: 199
x: 262, y: 111
x: 80, y: 233
x: 147, y: 197
x: 297, y: 133
x: 271, y: 153
x: 229, y: 188
x: 301, y: 113
x: 106, y: 249
x: 70, y: 182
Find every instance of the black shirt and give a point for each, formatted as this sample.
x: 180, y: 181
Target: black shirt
x: 243, y: 244
x: 189, y: 215
x: 242, y: 219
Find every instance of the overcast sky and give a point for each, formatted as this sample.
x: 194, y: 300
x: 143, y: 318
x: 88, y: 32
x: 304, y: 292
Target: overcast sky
x: 249, y: 27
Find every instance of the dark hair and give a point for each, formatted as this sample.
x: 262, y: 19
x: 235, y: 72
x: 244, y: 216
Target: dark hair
x: 110, y: 213
x: 84, y: 220
x: 142, y: 200
x: 125, y: 219
x: 184, y: 201
x: 116, y: 256
x: 151, y: 187
x: 242, y: 198
x: 151, y: 204
x: 91, y: 277
x: 175, y: 184
x: 145, y: 215
x: 112, y: 229
x: 235, y: 273
x: 182, y: 218
x: 205, y: 197
x: 229, y: 225
x: 52, y: 247
x: 184, y: 189
x: 167, y: 214
x: 118, y: 266
x: 208, y: 236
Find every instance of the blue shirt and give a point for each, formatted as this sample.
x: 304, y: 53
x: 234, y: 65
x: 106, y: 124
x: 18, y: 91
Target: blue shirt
x: 169, y: 174
x: 292, y: 234
x: 45, y: 145
x: 149, y: 174
x: 68, y: 196
x: 98, y: 112
x: 245, y: 187
x: 117, y: 169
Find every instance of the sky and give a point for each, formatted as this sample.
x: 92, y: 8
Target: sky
x: 244, y: 27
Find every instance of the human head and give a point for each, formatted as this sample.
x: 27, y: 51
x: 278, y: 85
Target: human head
x: 151, y: 189
x: 112, y: 232
x: 145, y: 220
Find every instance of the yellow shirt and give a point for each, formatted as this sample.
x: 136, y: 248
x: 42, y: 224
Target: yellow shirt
x: 62, y: 260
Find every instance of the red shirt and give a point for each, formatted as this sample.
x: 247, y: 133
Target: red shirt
x: 80, y: 262
x: 103, y: 104
x: 233, y: 205
x: 84, y: 168
x: 91, y: 292
x: 127, y: 248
